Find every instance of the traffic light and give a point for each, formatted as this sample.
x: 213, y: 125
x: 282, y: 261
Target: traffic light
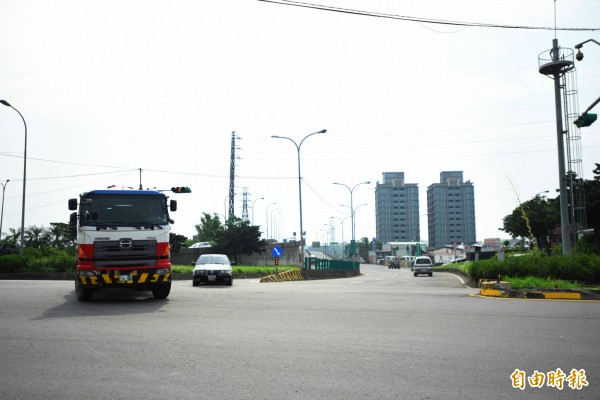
x: 586, y: 119
x: 181, y: 189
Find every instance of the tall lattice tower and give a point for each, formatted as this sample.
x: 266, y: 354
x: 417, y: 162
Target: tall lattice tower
x: 245, y: 205
x: 557, y: 63
x: 232, y: 174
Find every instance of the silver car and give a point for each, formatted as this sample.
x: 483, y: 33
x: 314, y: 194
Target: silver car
x: 423, y: 265
x: 212, y: 268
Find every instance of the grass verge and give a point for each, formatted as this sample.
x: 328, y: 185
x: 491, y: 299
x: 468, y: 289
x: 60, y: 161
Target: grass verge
x: 532, y: 282
x: 239, y: 269
x: 528, y: 282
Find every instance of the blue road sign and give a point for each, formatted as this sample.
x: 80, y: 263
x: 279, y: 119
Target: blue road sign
x: 277, y: 252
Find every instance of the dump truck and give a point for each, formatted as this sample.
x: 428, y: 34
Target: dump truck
x: 122, y: 241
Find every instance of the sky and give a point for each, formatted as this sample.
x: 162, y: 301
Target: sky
x: 114, y: 87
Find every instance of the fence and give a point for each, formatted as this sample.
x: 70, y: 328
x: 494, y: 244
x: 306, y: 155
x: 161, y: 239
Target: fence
x: 334, y: 265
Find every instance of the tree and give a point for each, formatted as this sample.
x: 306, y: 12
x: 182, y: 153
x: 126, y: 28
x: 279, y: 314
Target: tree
x: 238, y: 237
x: 592, y: 210
x: 176, y: 241
x: 60, y: 235
x: 36, y: 236
x: 13, y: 237
x: 363, y: 248
x: 535, y: 219
x: 209, y: 228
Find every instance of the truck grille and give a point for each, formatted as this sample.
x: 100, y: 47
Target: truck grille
x: 124, y: 252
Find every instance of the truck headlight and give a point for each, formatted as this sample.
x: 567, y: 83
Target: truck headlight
x: 163, y: 271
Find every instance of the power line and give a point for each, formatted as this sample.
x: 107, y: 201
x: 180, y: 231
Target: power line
x: 417, y: 19
x: 76, y: 176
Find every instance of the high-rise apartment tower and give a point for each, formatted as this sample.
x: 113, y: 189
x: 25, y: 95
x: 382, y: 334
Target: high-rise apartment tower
x: 451, y: 211
x: 397, y: 209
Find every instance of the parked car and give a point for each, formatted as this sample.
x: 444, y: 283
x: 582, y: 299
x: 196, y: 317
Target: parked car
x: 423, y: 265
x: 212, y: 268
x: 200, y: 245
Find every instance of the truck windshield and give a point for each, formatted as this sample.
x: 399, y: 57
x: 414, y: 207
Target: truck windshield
x: 123, y: 210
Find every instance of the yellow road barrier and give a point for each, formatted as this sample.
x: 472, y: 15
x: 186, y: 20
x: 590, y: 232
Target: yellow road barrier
x: 291, y: 275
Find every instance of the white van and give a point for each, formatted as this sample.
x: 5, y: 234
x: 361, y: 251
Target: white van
x: 423, y: 265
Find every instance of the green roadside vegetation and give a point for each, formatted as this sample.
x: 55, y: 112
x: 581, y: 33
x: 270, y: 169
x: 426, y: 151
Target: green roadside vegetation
x: 240, y: 269
x: 532, y: 270
x: 527, y: 271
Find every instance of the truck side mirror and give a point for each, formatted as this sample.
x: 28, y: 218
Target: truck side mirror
x: 72, y: 204
x: 73, y: 219
x: 173, y: 205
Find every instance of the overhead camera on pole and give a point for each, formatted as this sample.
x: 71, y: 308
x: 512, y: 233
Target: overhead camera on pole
x: 579, y: 55
x: 587, y: 118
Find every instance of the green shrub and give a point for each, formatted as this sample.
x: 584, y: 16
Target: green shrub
x: 39, y: 265
x: 532, y: 282
x: 13, y: 263
x: 34, y: 261
x: 57, y: 263
x: 238, y: 269
x: 583, y: 268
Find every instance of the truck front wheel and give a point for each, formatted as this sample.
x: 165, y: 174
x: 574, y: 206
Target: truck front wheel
x: 161, y: 291
x: 83, y: 293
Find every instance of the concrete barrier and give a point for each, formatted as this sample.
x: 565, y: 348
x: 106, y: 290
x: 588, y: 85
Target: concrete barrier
x: 291, y: 275
x: 309, y: 274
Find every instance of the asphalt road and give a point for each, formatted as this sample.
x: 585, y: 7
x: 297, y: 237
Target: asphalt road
x: 382, y: 335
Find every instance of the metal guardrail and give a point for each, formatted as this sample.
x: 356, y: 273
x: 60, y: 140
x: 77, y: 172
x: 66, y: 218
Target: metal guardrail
x: 326, y: 264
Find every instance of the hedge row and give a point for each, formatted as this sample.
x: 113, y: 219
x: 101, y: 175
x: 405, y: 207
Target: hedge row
x: 582, y: 268
x: 54, y: 263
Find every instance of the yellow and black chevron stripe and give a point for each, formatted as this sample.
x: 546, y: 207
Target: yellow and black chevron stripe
x: 291, y: 275
x: 117, y: 278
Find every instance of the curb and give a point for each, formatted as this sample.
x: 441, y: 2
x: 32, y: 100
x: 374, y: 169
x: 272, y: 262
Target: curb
x: 541, y: 294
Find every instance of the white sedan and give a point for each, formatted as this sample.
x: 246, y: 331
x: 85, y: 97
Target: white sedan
x: 212, y: 268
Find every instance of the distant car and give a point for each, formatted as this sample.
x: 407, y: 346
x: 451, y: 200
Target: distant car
x: 423, y: 265
x: 394, y: 263
x: 200, y: 245
x: 211, y: 268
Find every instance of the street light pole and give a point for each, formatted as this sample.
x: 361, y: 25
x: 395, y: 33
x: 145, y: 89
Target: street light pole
x: 353, y: 243
x: 272, y: 231
x: 2, y: 212
x: 342, y: 223
x: 300, y: 188
x: 267, y: 219
x: 6, y: 103
x: 354, y: 213
x: 262, y: 198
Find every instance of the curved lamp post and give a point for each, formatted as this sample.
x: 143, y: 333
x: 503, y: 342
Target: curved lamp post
x: 300, y: 188
x: 342, y: 223
x: 354, y: 213
x: 353, y: 243
x: 260, y: 198
x: 267, y: 219
x: 2, y: 212
x: 272, y: 231
x: 6, y: 103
